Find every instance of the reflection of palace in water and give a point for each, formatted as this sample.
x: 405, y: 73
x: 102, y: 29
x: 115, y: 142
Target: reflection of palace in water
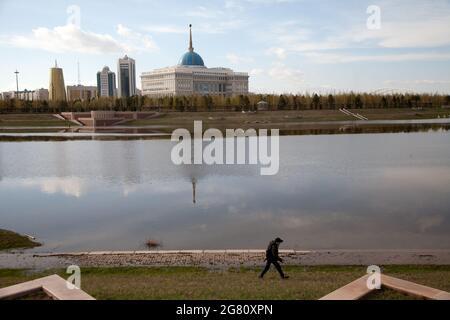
x: 75, y: 167
x: 194, y: 185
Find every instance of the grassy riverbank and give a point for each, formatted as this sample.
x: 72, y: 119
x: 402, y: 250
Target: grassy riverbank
x: 201, y: 283
x: 279, y: 118
x: 219, y: 119
x: 31, y: 120
x: 11, y: 240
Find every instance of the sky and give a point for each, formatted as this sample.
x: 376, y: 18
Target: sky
x: 287, y: 46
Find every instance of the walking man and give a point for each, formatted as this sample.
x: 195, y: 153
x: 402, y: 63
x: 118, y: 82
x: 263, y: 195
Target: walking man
x: 273, y: 258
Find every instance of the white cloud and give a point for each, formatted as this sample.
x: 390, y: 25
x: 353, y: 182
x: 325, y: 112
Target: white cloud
x: 64, y: 39
x: 404, y: 24
x: 237, y: 59
x: 279, y: 71
x: 70, y: 38
x: 202, y: 27
x: 416, y: 82
x: 234, y: 5
x: 271, y: 1
x: 409, y: 34
x: 204, y: 12
x: 279, y: 52
x: 327, y: 57
x: 407, y: 24
x: 219, y: 27
x: 410, y: 24
x: 124, y: 31
x: 135, y: 41
x: 256, y: 72
x: 212, y: 19
x: 166, y: 29
x: 279, y: 78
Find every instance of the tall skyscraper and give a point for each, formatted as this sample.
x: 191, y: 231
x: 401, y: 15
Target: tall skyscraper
x: 126, y: 71
x: 57, y: 89
x: 106, y: 83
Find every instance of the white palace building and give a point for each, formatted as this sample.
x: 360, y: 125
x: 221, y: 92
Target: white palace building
x: 191, y: 76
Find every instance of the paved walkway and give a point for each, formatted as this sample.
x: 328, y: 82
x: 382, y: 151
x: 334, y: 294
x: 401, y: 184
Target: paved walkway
x: 222, y: 258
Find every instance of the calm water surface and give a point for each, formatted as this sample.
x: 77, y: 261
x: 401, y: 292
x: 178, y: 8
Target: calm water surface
x: 383, y: 191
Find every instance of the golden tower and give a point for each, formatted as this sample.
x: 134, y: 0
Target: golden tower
x: 57, y: 89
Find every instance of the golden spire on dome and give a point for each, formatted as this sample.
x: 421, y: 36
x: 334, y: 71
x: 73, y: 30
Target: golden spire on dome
x: 191, y: 48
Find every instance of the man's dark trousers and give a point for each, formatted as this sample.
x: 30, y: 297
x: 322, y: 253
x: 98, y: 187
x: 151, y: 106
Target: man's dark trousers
x: 277, y: 266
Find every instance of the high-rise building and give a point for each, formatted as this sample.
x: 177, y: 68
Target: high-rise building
x: 126, y: 72
x: 192, y: 77
x: 57, y: 89
x: 106, y: 83
x: 80, y: 92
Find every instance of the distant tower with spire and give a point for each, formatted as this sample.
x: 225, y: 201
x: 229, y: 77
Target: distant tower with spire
x: 17, y: 83
x: 191, y: 48
x: 191, y: 58
x: 57, y: 89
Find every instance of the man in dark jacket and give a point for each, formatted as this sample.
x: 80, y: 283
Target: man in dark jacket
x: 273, y: 258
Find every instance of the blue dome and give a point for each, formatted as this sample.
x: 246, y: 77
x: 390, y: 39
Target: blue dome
x: 191, y: 58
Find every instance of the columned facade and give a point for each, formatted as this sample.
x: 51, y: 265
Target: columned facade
x: 192, y: 77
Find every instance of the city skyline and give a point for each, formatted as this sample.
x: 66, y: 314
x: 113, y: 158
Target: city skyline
x: 287, y: 46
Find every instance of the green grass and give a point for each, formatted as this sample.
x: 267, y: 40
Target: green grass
x: 57, y: 123
x: 200, y: 283
x: 387, y: 294
x: 221, y: 119
x: 11, y: 240
x: 32, y: 120
x: 217, y: 119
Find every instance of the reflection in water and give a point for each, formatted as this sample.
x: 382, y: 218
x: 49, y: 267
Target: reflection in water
x: 1, y: 162
x: 365, y: 128
x: 346, y: 191
x: 194, y: 184
x: 69, y: 186
x: 303, y: 128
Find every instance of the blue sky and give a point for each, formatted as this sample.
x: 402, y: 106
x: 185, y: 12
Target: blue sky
x: 285, y: 45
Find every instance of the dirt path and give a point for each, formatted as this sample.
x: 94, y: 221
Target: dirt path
x: 223, y: 258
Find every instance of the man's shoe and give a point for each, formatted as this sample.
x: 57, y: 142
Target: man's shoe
x: 285, y: 277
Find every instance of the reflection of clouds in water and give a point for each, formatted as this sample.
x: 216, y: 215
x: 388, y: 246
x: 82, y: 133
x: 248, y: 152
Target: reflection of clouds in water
x: 129, y: 189
x: 427, y: 223
x: 1, y: 159
x: 436, y: 178
x: 79, y: 187
x: 199, y: 227
x: 332, y: 192
x: 342, y: 213
x: 70, y: 186
x: 103, y: 237
x: 284, y: 218
x: 153, y: 188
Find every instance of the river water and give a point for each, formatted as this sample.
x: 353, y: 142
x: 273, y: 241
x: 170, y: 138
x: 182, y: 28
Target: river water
x: 366, y: 191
